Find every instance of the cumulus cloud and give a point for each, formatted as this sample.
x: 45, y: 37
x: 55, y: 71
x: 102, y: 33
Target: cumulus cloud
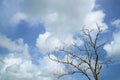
x: 66, y: 16
x: 8, y: 10
x: 113, y: 47
x: 17, y: 45
x: 17, y: 18
x: 47, y: 42
x: 116, y: 23
x: 21, y: 68
x: 62, y: 18
x: 95, y: 17
x: 18, y: 64
x: 17, y: 67
x: 51, y: 66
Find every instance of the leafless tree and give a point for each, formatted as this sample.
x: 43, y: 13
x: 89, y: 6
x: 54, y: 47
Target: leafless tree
x: 86, y: 59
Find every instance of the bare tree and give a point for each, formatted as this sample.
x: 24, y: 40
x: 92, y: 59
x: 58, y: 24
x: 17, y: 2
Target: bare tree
x: 86, y: 59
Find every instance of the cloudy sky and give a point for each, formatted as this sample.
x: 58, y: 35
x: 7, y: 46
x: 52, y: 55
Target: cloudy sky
x: 31, y: 28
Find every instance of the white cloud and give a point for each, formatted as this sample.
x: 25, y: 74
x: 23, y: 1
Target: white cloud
x: 17, y: 45
x: 18, y: 64
x: 17, y: 18
x: 62, y: 18
x: 17, y: 67
x: 8, y: 10
x: 113, y: 48
x: 51, y: 67
x: 95, y: 17
x: 116, y: 23
x: 47, y: 42
x: 66, y: 16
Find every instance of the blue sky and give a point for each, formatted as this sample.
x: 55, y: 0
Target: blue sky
x: 31, y: 28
